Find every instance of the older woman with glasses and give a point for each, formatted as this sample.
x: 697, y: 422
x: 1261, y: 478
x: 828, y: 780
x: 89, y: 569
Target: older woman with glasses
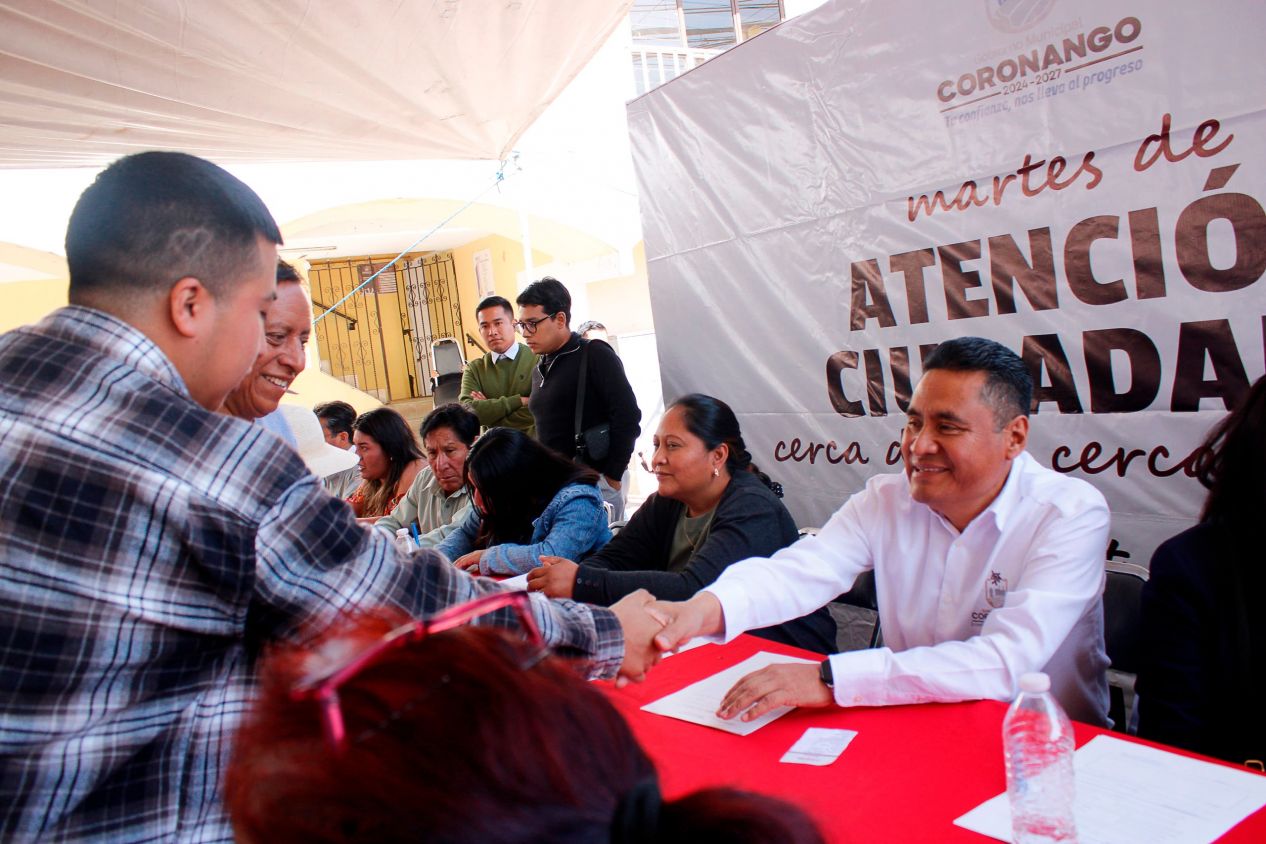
x: 529, y: 501
x: 713, y: 508
x: 391, y: 731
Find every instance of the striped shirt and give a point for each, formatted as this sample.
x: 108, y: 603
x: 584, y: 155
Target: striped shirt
x: 149, y: 550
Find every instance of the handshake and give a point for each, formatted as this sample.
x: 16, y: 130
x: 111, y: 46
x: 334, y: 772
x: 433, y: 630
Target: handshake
x: 653, y: 628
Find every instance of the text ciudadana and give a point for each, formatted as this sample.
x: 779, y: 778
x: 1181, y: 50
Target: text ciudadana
x: 988, y: 276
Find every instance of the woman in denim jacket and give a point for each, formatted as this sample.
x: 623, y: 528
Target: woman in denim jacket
x: 529, y: 501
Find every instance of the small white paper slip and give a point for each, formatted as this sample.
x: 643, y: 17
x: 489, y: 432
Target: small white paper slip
x: 698, y: 702
x: 818, y: 746
x: 1131, y: 792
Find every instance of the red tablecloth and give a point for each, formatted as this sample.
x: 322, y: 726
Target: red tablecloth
x: 907, y: 775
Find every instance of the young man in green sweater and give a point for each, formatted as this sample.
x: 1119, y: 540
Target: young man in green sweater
x: 496, y: 386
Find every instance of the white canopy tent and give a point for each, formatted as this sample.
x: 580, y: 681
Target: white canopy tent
x: 85, y: 81
x: 337, y: 118
x: 523, y: 64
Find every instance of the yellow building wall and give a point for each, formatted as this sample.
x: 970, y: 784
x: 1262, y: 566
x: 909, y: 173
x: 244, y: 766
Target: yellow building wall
x: 25, y: 302
x: 623, y: 304
x: 507, y: 263
x: 37, y: 284
x: 314, y: 387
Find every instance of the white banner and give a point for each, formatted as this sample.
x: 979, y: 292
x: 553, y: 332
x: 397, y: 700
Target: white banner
x: 1081, y: 181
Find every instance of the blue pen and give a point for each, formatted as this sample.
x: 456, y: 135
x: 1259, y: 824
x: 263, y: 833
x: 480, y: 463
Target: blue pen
x: 413, y: 529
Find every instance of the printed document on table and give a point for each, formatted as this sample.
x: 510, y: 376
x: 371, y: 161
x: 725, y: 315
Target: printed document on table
x: 1132, y: 792
x: 698, y: 702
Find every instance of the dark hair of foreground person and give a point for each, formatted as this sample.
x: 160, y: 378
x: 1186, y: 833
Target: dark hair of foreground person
x: 1202, y: 632
x: 465, y: 735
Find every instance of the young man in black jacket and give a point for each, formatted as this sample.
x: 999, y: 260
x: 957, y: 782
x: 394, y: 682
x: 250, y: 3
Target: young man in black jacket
x: 545, y: 323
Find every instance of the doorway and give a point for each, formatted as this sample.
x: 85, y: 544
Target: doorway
x: 379, y: 340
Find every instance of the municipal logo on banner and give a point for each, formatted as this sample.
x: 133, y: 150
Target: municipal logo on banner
x: 1011, y: 16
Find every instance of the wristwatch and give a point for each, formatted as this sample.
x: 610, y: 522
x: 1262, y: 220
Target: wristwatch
x: 825, y: 675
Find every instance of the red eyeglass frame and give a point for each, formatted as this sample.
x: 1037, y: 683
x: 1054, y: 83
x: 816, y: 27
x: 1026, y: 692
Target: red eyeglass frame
x: 324, y: 689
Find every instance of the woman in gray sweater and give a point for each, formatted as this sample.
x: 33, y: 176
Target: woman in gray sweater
x: 713, y: 508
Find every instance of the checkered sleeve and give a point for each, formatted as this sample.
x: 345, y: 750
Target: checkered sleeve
x: 314, y: 561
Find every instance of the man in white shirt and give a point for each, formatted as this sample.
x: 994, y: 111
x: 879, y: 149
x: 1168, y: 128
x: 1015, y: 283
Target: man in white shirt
x: 987, y: 564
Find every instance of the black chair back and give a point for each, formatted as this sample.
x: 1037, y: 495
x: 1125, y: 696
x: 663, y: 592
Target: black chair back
x: 863, y: 595
x: 447, y: 388
x: 1122, y: 603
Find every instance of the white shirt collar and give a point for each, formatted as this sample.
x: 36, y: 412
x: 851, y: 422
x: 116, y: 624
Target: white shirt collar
x: 1004, y: 503
x: 1009, y: 497
x: 510, y: 353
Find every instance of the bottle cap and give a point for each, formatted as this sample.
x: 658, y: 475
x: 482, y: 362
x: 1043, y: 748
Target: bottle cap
x: 1035, y: 683
x: 402, y: 533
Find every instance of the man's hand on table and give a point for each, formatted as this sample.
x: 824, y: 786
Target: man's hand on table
x: 785, y: 684
x: 640, y: 627
x: 555, y: 576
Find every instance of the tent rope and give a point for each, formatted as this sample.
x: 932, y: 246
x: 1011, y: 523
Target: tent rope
x: 512, y: 161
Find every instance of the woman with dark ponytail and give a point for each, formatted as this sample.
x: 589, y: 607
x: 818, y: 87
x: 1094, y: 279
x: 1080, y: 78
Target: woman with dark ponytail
x: 713, y: 508
x: 1202, y: 646
x: 471, y: 734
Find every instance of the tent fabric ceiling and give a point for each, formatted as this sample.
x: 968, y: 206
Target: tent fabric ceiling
x: 85, y: 81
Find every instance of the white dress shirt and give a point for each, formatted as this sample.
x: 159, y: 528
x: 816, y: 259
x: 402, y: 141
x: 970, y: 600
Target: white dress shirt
x: 964, y: 614
x: 509, y: 354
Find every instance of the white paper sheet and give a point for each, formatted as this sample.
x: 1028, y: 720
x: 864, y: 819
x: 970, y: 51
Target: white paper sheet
x: 1131, y: 792
x: 819, y: 746
x: 516, y: 583
x: 698, y: 702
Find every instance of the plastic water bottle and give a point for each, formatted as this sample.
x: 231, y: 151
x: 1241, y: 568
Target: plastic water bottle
x: 404, y: 541
x: 1037, y: 739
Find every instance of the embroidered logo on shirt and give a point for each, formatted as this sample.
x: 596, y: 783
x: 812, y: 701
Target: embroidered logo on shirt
x: 996, y: 589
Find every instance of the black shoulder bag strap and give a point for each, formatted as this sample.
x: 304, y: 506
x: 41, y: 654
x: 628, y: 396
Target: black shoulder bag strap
x: 580, y: 396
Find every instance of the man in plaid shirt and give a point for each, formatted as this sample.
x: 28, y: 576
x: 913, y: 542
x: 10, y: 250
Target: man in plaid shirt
x: 152, y: 547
